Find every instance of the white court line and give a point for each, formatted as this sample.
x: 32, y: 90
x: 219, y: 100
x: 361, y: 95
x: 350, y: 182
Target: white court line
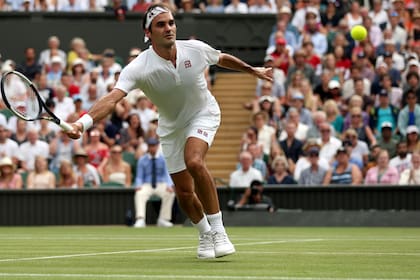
x: 143, y: 251
x: 143, y: 276
x: 333, y: 253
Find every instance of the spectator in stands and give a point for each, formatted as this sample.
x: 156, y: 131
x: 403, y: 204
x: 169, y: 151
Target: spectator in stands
x: 378, y: 14
x: 394, y: 92
x: 281, y: 55
x: 399, y: 34
x: 402, y: 160
x: 348, y: 86
x: 409, y: 114
x: 152, y: 178
x: 116, y: 169
x: 8, y: 147
x: 298, y: 102
x: 411, y: 175
x: 360, y: 148
x: 344, y: 172
x: 301, y: 129
x: 356, y: 101
x: 67, y: 177
x: 260, y: 7
x: 140, y: 6
x: 329, y: 143
x: 9, y: 178
x: 132, y: 137
x: 53, y: 50
x: 236, y: 7
x: 384, y: 112
x: 318, y: 118
x: 322, y: 89
x: 61, y: 148
x: 291, y: 146
x: 312, y: 31
x: 412, y: 138
x: 382, y: 173
x: 330, y: 17
x: 72, y: 6
x: 300, y: 64
x: 364, y: 132
x: 333, y: 116
x: 97, y: 151
x: 280, y: 174
x: 313, y: 174
x: 142, y: 108
x: 32, y: 148
x: 40, y: 177
x: 88, y: 173
x: 257, y: 159
x: 30, y: 67
x: 304, y: 162
x: 249, y: 137
x: 244, y: 176
x: 266, y: 133
x: 386, y: 140
x: 19, y: 133
x: 254, y: 199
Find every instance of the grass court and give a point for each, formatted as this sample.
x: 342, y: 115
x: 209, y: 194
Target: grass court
x: 263, y: 253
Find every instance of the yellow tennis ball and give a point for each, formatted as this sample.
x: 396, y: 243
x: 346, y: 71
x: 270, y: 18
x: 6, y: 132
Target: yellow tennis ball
x: 358, y: 32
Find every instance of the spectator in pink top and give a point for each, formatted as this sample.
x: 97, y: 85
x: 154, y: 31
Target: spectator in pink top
x: 382, y: 173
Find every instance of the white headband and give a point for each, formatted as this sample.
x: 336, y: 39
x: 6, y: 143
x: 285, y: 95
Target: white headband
x: 150, y: 16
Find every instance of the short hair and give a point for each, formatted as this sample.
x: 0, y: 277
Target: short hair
x: 280, y: 159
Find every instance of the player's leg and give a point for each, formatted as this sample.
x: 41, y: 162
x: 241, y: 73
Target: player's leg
x: 194, y: 153
x: 191, y: 205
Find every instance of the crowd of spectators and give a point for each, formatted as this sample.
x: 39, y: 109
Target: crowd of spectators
x: 339, y: 111
x: 38, y: 155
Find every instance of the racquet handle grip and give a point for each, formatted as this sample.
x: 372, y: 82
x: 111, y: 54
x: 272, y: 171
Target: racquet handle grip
x: 65, y: 126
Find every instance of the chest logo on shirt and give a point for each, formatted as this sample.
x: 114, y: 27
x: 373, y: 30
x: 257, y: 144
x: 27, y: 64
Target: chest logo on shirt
x: 187, y: 64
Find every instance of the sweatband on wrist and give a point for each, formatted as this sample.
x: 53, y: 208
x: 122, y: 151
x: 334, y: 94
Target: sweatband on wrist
x: 86, y: 122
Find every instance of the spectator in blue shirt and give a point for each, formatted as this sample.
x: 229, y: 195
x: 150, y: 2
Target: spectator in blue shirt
x: 152, y: 178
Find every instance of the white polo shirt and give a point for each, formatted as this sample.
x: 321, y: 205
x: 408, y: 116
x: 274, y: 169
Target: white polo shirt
x: 179, y: 92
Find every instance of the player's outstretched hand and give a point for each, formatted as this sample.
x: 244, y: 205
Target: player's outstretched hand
x: 265, y: 73
x: 76, y: 132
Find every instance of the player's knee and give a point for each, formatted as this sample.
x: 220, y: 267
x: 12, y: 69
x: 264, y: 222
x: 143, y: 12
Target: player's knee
x: 195, y: 165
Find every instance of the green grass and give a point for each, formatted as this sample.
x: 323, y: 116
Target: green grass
x: 264, y: 253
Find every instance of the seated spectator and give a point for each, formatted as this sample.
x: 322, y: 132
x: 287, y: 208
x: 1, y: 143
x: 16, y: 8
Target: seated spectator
x: 88, y: 173
x: 360, y: 150
x: 314, y: 174
x: 373, y: 155
x: 249, y: 137
x: 254, y: 199
x: 364, y: 132
x: 386, y: 141
x: 411, y: 175
x: 61, y: 148
x: 8, y: 147
x: 382, y: 173
x: 402, y: 160
x: 301, y: 129
x: 304, y: 161
x: 132, y: 137
x: 280, y: 174
x: 97, y: 151
x: 32, y: 148
x: 334, y: 116
x: 236, y: 7
x: 412, y: 139
x: 292, y: 147
x: 329, y: 143
x: 152, y: 178
x: 116, y: 169
x: 298, y: 102
x: 358, y: 102
x: 67, y: 177
x: 257, y: 159
x: 266, y: 133
x: 384, y: 112
x: 344, y: 173
x: 409, y: 114
x: 19, y: 130
x: 215, y: 7
x: 9, y: 179
x: 244, y: 176
x: 41, y: 177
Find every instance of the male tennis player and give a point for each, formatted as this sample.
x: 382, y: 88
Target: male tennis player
x: 171, y: 74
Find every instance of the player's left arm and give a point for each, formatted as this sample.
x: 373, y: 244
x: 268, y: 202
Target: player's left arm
x: 231, y: 62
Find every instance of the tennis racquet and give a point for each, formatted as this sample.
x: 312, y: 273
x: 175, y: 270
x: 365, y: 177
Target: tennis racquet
x: 23, y: 99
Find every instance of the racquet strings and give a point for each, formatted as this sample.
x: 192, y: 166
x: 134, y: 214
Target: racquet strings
x: 21, y: 96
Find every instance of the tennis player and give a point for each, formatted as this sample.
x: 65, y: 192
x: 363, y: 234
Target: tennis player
x: 171, y: 74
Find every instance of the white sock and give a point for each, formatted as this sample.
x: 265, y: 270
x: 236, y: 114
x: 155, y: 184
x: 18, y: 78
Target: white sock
x: 202, y: 226
x: 216, y: 222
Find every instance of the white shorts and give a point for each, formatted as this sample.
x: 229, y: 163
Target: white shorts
x: 204, y: 126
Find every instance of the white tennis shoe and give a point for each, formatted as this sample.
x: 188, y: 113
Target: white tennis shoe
x: 222, y: 245
x: 140, y: 223
x: 205, y: 248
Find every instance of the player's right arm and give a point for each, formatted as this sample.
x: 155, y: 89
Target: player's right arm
x: 100, y: 109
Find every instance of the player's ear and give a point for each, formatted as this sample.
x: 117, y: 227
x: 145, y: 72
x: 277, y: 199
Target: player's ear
x: 147, y: 34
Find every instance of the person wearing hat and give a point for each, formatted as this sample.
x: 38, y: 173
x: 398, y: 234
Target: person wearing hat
x: 314, y: 174
x: 9, y: 179
x: 409, y: 114
x: 386, y: 140
x: 152, y: 178
x: 412, y: 138
x: 85, y: 170
x: 304, y: 161
x: 344, y: 172
x: 280, y: 53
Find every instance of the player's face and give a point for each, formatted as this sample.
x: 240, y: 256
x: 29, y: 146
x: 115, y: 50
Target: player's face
x: 163, y: 30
